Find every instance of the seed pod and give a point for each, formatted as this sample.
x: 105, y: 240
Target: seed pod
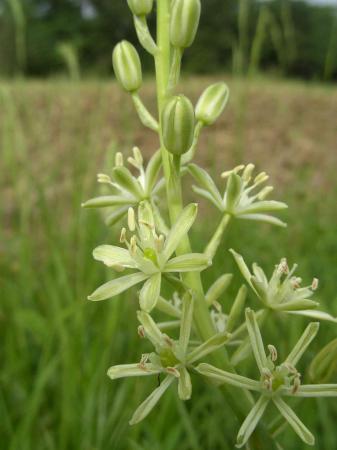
x: 178, y: 125
x: 211, y: 103
x: 127, y: 66
x: 140, y: 7
x: 185, y: 17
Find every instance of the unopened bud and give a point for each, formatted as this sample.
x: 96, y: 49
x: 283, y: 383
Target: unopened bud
x: 211, y: 103
x: 178, y: 125
x: 185, y: 16
x: 127, y: 66
x: 140, y: 7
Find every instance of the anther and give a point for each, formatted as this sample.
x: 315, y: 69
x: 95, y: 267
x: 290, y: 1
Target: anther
x: 119, y: 160
x: 131, y: 219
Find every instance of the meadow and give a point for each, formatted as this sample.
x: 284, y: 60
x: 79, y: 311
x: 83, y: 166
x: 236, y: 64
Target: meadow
x: 55, y: 345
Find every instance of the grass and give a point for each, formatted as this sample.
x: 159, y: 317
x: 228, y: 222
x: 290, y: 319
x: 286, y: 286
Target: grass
x: 56, y: 346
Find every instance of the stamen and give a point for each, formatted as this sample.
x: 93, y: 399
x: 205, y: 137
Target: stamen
x: 133, y: 245
x: 261, y: 178
x: 141, y: 331
x: 247, y: 173
x: 314, y: 284
x: 131, y: 219
x: 273, y: 352
x: 137, y: 155
x: 103, y: 178
x: 119, y: 160
x: 173, y: 371
x: 143, y: 361
x: 264, y: 192
x: 159, y: 243
x: 122, y: 238
x: 283, y: 267
x: 296, y: 282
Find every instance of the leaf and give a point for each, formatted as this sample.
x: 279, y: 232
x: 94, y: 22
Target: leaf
x: 146, y: 407
x: 180, y: 229
x: 188, y: 263
x: 150, y: 292
x: 184, y: 384
x: 132, y: 370
x: 227, y: 377
x: 112, y: 255
x: 303, y: 343
x: 256, y: 340
x: 251, y: 421
x: 297, y: 425
x: 116, y: 286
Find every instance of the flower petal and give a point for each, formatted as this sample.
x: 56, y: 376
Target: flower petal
x: 209, y: 346
x: 150, y: 292
x: 111, y: 256
x: 105, y: 201
x: 263, y: 206
x: 256, y: 340
x: 184, y: 384
x: 132, y: 370
x: 303, y: 343
x: 243, y: 268
x: 218, y: 288
x: 295, y: 305
x: 152, y: 171
x: 124, y: 178
x: 151, y: 329
x: 146, y: 407
x: 233, y: 379
x: 186, y: 321
x: 251, y: 421
x: 116, y: 286
x: 263, y: 218
x: 317, y: 390
x: 206, y: 182
x: 179, y: 229
x: 297, y: 425
x: 314, y: 314
x: 188, y: 263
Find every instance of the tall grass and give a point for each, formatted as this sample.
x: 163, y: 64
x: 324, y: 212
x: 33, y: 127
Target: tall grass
x: 56, y: 346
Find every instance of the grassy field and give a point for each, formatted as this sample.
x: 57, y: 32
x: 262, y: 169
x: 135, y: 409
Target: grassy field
x: 55, y: 345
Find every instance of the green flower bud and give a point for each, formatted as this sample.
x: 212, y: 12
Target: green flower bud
x: 178, y: 125
x: 211, y: 103
x: 185, y: 17
x: 140, y: 7
x: 127, y: 66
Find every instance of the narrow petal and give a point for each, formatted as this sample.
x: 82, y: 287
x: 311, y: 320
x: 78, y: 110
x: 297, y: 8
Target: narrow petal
x: 168, y: 308
x: 150, y: 292
x: 317, y: 390
x: 243, y: 268
x: 295, y: 305
x: 188, y: 263
x: 314, y: 314
x: 251, y: 421
x: 297, y: 425
x: 132, y: 370
x: 303, y: 343
x: 206, y: 182
x: 184, y: 384
x: 105, y: 201
x: 151, y: 329
x: 212, y: 344
x: 152, y: 172
x: 146, y: 407
x: 186, y: 321
x: 233, y: 379
x: 179, y: 229
x: 263, y: 206
x: 117, y: 286
x: 237, y: 308
x: 218, y: 288
x: 125, y: 179
x: 111, y: 255
x: 263, y: 218
x: 207, y: 196
x: 256, y: 340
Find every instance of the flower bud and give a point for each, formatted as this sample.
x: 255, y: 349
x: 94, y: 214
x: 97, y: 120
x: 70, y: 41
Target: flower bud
x: 127, y: 66
x: 140, y: 7
x: 185, y: 17
x: 178, y: 125
x: 211, y: 103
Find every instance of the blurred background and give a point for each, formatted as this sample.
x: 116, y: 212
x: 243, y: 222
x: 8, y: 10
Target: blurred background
x: 62, y: 118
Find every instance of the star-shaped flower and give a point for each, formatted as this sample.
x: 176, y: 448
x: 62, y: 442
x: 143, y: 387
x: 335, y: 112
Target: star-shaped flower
x: 129, y: 190
x: 149, y: 254
x: 174, y: 358
x: 283, y: 291
x: 274, y: 383
x: 238, y: 199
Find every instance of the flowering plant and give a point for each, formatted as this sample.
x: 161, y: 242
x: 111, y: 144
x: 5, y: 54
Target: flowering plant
x: 152, y: 251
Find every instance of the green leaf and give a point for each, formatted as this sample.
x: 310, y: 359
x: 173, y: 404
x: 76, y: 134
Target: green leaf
x: 180, y: 229
x: 251, y: 421
x: 111, y: 256
x: 150, y: 292
x: 233, y: 379
x: 188, y: 263
x: 303, y: 343
x: 212, y: 344
x: 146, y: 407
x: 256, y: 340
x: 184, y: 384
x: 297, y: 425
x: 132, y: 370
x: 116, y: 286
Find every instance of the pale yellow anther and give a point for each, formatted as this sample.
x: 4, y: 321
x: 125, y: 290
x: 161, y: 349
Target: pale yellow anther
x: 141, y: 331
x: 283, y: 266
x: 273, y: 352
x: 159, y: 243
x: 133, y: 245
x: 173, y: 371
x: 103, y: 178
x: 263, y: 194
x: 131, y: 219
x: 314, y: 284
x: 122, y: 237
x: 137, y: 155
x: 247, y: 173
x: 119, y: 160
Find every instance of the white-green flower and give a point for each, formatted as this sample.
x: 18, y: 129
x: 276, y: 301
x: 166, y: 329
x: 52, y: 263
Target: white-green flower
x: 283, y: 291
x: 150, y: 254
x: 275, y: 381
x: 241, y: 198
x: 173, y: 358
x: 128, y: 190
